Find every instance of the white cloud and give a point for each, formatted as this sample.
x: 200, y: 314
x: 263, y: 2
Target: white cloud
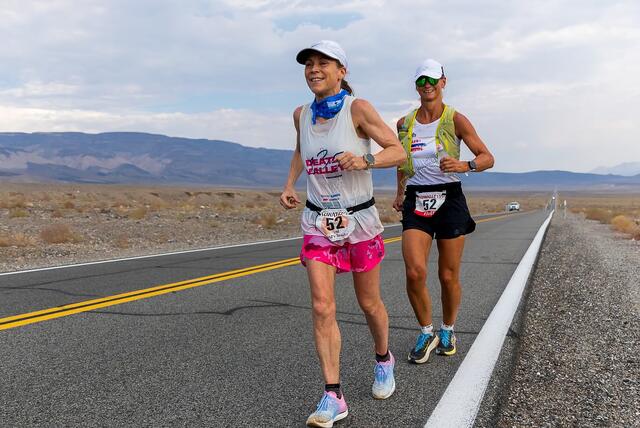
x: 547, y: 84
x: 242, y: 126
x: 39, y: 89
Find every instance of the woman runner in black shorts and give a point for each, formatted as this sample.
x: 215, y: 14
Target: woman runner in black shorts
x: 433, y: 205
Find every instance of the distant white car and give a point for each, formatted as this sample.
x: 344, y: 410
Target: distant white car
x: 513, y: 206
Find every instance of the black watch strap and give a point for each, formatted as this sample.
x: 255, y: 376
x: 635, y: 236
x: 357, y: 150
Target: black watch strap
x: 472, y: 165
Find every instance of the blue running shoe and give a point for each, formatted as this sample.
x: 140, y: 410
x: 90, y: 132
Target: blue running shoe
x: 424, y: 345
x: 330, y: 409
x: 447, y: 345
x: 384, y: 383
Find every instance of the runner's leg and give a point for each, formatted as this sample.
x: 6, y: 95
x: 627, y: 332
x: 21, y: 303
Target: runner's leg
x: 325, y: 327
x: 416, y: 245
x: 449, y: 260
x: 367, y: 289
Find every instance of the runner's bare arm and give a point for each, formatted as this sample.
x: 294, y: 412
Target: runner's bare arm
x: 401, y: 178
x: 467, y: 133
x: 369, y: 124
x: 289, y: 198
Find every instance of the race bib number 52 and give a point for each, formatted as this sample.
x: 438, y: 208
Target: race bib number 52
x: 335, y: 224
x: 427, y: 203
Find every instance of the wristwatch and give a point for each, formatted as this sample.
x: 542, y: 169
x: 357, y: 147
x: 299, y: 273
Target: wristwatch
x: 369, y: 159
x: 472, y: 165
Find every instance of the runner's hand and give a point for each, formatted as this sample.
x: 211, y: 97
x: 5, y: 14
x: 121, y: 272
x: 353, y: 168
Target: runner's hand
x: 289, y: 198
x: 449, y: 164
x: 350, y: 162
x: 397, y: 203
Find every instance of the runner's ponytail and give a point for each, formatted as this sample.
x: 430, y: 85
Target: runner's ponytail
x: 345, y: 85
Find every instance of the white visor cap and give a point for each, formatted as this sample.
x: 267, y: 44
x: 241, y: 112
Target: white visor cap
x: 325, y: 47
x: 429, y: 68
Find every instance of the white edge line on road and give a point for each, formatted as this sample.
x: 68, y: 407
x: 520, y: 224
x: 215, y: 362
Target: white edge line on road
x: 460, y: 402
x: 149, y: 256
x: 99, y: 262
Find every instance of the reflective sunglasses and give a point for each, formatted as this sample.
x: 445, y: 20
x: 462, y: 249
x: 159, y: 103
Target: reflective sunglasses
x: 422, y: 80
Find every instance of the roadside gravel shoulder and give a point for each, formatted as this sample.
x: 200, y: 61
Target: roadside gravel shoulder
x: 577, y: 360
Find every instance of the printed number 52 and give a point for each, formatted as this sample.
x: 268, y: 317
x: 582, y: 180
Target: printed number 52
x: 429, y: 204
x: 334, y: 223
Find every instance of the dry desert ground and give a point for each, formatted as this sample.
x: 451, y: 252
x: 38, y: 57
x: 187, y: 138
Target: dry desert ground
x: 53, y: 224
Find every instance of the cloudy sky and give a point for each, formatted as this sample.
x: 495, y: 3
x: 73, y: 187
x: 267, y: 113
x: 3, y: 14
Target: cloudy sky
x: 548, y: 84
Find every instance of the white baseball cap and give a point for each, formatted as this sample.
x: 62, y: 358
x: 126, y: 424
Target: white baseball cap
x: 325, y: 47
x: 430, y: 68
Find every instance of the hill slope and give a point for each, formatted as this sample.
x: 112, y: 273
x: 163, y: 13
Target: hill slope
x: 131, y: 157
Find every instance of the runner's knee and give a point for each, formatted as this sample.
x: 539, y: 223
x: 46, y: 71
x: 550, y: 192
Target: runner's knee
x: 416, y: 275
x: 371, y: 306
x: 324, y: 308
x: 448, y: 277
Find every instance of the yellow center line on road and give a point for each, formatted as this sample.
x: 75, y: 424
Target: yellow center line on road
x: 89, y: 305
x: 117, y: 299
x: 493, y: 218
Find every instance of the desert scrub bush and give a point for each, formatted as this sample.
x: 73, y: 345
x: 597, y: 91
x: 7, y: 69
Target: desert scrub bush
x: 122, y: 241
x: 57, y: 214
x: 16, y: 240
x: 68, y: 205
x: 599, y: 214
x: 224, y: 206
x: 101, y: 206
x: 624, y: 224
x: 262, y: 204
x: 18, y: 213
x: 23, y: 240
x: 188, y: 207
x: 17, y: 201
x: 267, y: 220
x: 58, y: 233
x: 157, y: 204
x: 138, y: 213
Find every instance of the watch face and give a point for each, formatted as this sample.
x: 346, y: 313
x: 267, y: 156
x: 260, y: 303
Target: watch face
x: 472, y: 165
x: 369, y: 158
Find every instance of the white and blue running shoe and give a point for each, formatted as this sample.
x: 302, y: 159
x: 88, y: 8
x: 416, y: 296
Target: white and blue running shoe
x: 384, y: 383
x: 330, y: 409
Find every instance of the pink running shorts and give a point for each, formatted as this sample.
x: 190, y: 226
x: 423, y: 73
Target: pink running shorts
x: 360, y: 257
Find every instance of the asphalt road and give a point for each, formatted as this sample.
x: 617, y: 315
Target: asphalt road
x: 234, y: 353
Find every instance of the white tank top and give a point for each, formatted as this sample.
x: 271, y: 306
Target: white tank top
x: 425, y: 162
x: 328, y: 186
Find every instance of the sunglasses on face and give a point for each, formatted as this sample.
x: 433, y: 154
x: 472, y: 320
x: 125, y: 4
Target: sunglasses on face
x: 422, y: 81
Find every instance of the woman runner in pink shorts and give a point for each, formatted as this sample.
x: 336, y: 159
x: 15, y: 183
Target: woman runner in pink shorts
x: 340, y: 221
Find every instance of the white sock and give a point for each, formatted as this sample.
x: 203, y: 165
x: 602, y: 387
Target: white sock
x: 446, y: 327
x: 427, y: 329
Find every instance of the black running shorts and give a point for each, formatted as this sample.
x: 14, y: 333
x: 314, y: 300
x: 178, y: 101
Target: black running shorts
x: 450, y: 221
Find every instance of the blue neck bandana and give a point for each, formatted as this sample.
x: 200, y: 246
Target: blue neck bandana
x: 328, y: 107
